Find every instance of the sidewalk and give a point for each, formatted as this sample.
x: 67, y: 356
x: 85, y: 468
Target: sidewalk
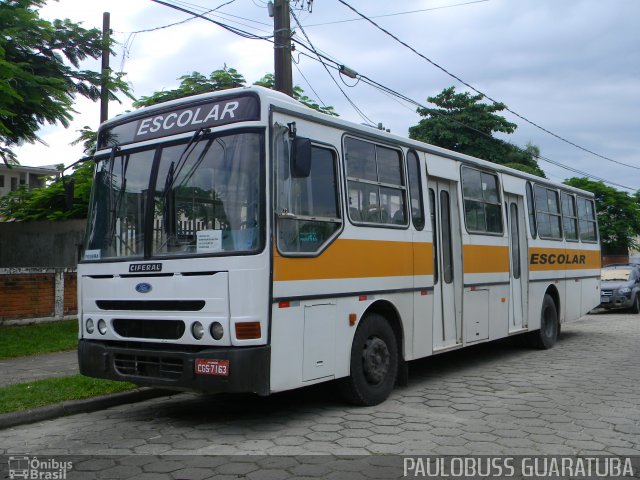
x: 59, y: 364
x: 38, y: 367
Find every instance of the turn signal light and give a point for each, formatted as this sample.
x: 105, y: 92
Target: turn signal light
x: 248, y: 330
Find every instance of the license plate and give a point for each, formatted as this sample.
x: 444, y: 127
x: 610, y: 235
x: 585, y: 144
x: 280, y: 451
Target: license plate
x: 605, y: 299
x: 218, y: 368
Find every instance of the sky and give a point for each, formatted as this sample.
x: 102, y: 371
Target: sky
x: 571, y: 66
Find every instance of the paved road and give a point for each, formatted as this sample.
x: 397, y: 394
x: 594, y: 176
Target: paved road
x: 582, y: 397
x: 38, y: 367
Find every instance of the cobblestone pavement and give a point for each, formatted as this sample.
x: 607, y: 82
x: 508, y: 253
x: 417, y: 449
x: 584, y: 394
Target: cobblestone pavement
x: 37, y: 367
x: 581, y: 397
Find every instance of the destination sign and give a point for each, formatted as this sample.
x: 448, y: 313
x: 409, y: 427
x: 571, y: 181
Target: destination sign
x: 170, y: 122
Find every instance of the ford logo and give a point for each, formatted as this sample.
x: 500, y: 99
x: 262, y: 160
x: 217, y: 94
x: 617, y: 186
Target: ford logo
x: 143, y: 288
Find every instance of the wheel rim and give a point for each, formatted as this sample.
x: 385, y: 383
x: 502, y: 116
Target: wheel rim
x: 376, y: 359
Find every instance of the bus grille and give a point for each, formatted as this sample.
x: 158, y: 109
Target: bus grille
x: 160, y: 329
x: 148, y: 366
x: 158, y: 305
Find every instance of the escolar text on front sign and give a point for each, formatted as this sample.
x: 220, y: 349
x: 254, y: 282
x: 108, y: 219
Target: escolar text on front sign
x: 194, y: 117
x: 205, y: 115
x: 560, y: 259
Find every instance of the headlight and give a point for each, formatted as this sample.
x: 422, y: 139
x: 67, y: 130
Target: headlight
x: 216, y: 330
x: 102, y: 326
x: 90, y: 326
x: 624, y: 290
x: 197, y: 330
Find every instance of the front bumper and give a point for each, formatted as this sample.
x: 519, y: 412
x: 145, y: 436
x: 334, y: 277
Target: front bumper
x: 616, y: 300
x: 249, y: 367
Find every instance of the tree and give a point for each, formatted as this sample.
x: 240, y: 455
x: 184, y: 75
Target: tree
x: 222, y: 79
x: 268, y: 81
x: 194, y: 84
x: 448, y: 126
x: 50, y: 202
x: 40, y: 72
x: 618, y: 214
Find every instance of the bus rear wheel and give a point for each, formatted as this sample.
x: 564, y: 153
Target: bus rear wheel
x: 547, y: 336
x: 374, y: 363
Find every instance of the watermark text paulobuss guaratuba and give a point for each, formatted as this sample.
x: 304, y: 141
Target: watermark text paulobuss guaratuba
x: 534, y: 467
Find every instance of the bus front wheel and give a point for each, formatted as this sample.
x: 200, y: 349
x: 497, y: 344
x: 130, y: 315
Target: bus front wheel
x: 547, y: 336
x: 374, y: 363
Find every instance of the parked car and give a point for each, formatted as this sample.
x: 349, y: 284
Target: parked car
x: 620, y: 287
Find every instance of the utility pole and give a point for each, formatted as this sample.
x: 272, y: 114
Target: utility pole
x: 282, y: 47
x: 104, y: 90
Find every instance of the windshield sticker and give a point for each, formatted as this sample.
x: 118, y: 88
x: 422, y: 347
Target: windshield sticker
x: 209, y: 241
x: 92, y: 254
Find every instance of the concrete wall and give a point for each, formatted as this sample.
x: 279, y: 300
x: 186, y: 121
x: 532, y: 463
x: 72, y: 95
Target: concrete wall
x: 40, y: 244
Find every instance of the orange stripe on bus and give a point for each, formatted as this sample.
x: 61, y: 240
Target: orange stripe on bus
x: 486, y: 259
x: 357, y: 259
x: 544, y: 259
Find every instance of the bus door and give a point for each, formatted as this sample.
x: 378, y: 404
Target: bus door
x: 447, y: 252
x: 518, y: 271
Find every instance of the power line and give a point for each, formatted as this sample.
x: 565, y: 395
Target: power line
x: 182, y: 21
x: 386, y: 90
x: 355, y: 107
x: 309, y: 83
x: 364, y: 17
x: 396, y: 14
x: 237, y: 31
x: 336, y: 65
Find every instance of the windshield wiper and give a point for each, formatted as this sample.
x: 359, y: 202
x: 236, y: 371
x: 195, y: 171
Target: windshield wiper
x: 176, y: 167
x: 172, y: 175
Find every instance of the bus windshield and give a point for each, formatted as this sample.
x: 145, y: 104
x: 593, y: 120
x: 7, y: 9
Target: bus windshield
x: 197, y: 198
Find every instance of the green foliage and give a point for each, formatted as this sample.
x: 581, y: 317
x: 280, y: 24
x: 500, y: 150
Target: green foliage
x: 194, y: 84
x: 24, y: 340
x: 268, y: 81
x: 23, y: 396
x: 222, y: 79
x: 40, y: 74
x: 49, y: 202
x: 88, y: 138
x: 446, y: 126
x: 618, y: 214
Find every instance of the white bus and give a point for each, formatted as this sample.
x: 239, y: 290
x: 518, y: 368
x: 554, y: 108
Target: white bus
x: 240, y: 242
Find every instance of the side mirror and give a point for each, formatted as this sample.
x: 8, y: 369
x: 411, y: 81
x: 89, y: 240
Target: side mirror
x: 301, y: 157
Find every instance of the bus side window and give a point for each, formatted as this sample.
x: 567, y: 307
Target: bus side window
x: 587, y: 220
x: 548, y: 213
x: 308, y: 208
x: 415, y: 190
x: 482, y: 207
x: 432, y: 212
x: 532, y: 211
x: 569, y: 216
x: 375, y: 181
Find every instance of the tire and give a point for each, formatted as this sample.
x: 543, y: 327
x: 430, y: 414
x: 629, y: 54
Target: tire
x: 635, y: 308
x: 547, y: 336
x: 374, y: 363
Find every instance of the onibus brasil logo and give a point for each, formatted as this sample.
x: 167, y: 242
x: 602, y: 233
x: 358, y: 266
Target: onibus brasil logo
x: 24, y: 467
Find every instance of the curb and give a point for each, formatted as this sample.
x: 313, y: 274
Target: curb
x: 86, y: 405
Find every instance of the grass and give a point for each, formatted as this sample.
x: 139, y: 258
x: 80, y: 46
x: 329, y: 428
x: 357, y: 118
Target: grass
x: 19, y: 341
x: 24, y: 396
